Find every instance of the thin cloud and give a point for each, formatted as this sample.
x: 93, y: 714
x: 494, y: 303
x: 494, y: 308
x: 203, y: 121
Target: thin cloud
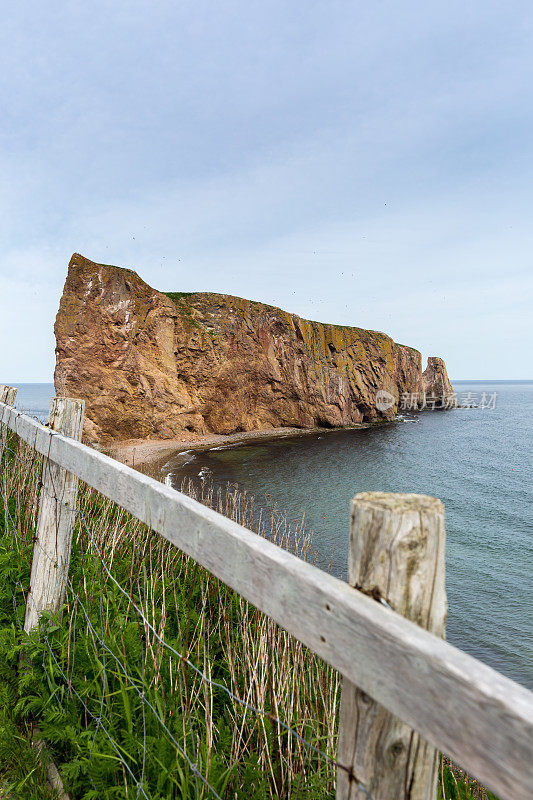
x: 365, y: 164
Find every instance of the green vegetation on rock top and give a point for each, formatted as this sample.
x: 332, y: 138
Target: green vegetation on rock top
x: 175, y: 296
x: 408, y: 347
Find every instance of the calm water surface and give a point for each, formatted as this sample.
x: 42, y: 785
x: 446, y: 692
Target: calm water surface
x: 477, y: 461
x: 34, y: 398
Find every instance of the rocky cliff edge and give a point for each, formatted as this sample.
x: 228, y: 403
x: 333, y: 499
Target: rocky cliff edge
x: 159, y: 366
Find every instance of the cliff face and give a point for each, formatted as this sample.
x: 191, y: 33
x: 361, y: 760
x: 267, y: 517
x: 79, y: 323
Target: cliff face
x: 435, y: 379
x: 156, y: 366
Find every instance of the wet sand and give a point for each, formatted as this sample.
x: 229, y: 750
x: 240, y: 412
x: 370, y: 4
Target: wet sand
x: 142, y: 453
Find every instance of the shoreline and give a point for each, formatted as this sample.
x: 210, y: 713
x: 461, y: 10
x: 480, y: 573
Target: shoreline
x: 155, y: 452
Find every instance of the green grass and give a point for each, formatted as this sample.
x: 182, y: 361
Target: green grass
x: 75, y: 688
x: 242, y: 755
x: 455, y: 784
x: 177, y: 296
x: 22, y: 772
x: 180, y: 300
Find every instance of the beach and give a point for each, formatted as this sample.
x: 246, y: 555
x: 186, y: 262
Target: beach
x: 151, y: 452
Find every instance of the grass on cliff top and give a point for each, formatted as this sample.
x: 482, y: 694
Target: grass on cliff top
x: 245, y: 756
x: 407, y: 346
x: 177, y: 296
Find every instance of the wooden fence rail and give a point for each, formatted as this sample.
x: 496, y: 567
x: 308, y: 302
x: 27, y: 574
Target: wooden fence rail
x: 479, y: 718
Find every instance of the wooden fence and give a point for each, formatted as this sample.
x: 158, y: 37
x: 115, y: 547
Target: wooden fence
x: 407, y: 693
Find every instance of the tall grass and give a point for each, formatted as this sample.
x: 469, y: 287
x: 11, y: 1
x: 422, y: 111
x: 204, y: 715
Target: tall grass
x: 241, y: 753
x: 132, y: 590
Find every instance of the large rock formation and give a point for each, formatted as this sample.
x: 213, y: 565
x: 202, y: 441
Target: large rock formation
x: 436, y: 382
x: 151, y: 365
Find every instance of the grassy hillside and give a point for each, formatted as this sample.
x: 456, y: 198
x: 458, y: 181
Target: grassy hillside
x: 125, y: 716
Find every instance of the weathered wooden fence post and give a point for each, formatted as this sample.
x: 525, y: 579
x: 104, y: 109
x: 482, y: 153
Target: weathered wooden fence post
x: 57, y: 503
x: 7, y: 396
x: 397, y: 553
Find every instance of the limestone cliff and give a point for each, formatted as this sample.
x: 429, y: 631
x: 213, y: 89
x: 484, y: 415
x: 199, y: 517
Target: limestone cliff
x: 151, y: 365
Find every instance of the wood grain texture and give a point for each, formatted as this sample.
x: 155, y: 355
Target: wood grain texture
x: 481, y: 719
x: 57, y: 503
x: 52, y: 773
x: 7, y: 396
x: 397, y: 547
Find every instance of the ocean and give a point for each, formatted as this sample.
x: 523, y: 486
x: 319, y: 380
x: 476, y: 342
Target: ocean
x: 478, y: 461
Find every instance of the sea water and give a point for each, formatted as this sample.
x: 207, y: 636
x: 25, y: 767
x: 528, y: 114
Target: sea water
x: 478, y: 461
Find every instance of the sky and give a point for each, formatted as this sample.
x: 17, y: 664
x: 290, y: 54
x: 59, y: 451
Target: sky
x: 361, y: 163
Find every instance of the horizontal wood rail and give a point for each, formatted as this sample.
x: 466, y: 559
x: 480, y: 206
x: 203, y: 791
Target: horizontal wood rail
x: 479, y: 718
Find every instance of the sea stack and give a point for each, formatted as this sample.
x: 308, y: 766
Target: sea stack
x: 159, y: 366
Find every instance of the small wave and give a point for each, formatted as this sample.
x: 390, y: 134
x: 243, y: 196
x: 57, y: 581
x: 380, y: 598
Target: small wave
x: 173, y: 466
x: 204, y: 473
x: 187, y: 461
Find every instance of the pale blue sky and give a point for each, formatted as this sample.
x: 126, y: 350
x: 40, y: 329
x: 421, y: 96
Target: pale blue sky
x: 366, y: 163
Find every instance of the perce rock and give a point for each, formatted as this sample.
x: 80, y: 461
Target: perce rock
x: 157, y: 366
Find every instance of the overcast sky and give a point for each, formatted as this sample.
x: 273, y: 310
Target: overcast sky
x: 366, y: 163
